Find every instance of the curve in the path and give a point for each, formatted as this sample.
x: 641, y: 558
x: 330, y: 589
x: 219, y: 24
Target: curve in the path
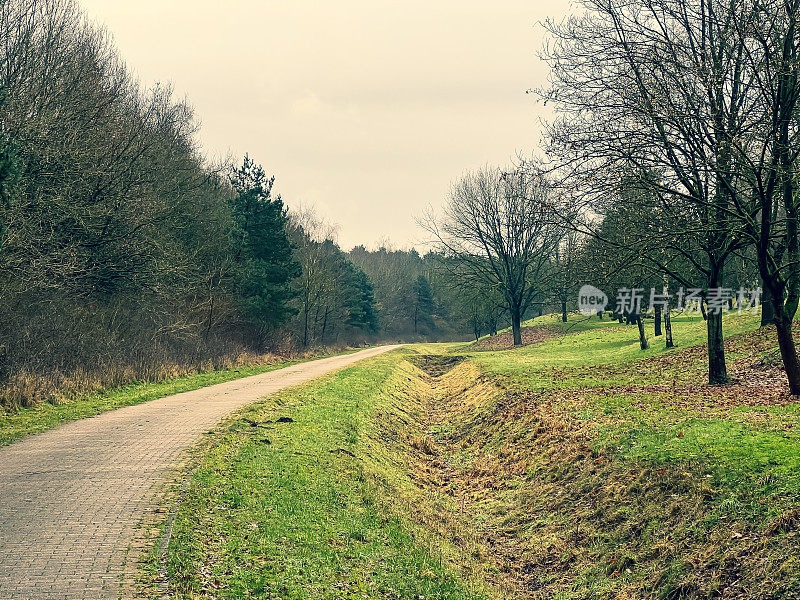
x: 70, y: 498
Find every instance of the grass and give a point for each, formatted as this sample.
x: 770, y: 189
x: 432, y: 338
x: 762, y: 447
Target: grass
x: 590, y: 343
x: 21, y: 422
x: 299, y: 509
x: 616, y: 493
x: 577, y: 468
x: 679, y: 419
x: 625, y: 475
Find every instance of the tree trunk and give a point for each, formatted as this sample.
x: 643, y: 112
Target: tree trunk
x: 789, y: 354
x: 564, y: 311
x: 703, y: 310
x: 491, y: 324
x: 717, y: 369
x: 515, y: 325
x: 210, y: 314
x: 305, y: 325
x: 668, y: 328
x: 642, y: 337
x: 324, y: 325
x: 658, y: 321
x: 767, y: 308
x: 600, y: 315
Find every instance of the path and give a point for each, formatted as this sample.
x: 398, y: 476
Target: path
x: 70, y: 498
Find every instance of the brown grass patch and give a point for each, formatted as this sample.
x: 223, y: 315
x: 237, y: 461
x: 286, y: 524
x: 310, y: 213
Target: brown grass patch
x: 530, y: 335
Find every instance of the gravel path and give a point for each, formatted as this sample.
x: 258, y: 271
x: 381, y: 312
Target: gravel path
x: 71, y: 498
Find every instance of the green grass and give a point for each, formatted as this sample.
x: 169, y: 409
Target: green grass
x: 576, y: 323
x: 284, y: 510
x: 740, y: 445
x: 639, y: 428
x: 589, y: 342
x: 642, y: 481
x: 18, y: 423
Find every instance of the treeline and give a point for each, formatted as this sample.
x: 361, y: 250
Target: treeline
x: 117, y: 237
x: 416, y: 301
x: 126, y: 255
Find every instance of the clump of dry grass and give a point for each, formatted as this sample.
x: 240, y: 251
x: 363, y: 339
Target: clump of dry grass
x: 27, y: 387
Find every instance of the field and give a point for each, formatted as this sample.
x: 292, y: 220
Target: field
x: 576, y: 467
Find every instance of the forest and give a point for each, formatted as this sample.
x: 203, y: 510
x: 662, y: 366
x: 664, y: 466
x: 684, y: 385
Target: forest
x: 127, y: 255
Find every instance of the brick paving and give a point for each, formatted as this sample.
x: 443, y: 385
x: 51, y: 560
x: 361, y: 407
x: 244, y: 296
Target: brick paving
x: 71, y: 498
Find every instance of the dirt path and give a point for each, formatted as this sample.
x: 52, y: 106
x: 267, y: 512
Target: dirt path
x: 70, y: 498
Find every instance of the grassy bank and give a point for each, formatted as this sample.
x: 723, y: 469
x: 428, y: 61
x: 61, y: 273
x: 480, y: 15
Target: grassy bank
x: 601, y: 471
x: 591, y: 352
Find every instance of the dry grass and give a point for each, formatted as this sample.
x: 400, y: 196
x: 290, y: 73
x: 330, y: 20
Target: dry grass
x: 56, y: 350
x: 530, y: 335
x: 28, y: 388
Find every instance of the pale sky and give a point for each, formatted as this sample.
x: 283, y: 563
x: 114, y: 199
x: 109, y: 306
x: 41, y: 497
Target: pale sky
x: 366, y: 109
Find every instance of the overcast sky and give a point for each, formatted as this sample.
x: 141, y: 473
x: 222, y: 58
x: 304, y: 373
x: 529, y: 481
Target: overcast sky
x: 366, y: 109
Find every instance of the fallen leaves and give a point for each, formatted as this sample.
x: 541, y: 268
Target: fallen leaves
x: 530, y: 335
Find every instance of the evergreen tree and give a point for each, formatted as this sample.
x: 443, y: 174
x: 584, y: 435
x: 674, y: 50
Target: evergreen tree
x: 262, y: 250
x: 424, y: 305
x: 362, y: 309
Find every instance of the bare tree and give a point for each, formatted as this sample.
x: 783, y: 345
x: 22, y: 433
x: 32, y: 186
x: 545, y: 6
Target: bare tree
x: 566, y: 276
x: 115, y: 234
x: 767, y: 199
x: 309, y: 233
x: 498, y: 230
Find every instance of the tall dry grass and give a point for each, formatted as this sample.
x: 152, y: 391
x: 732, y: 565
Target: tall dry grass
x: 56, y: 351
x: 28, y: 387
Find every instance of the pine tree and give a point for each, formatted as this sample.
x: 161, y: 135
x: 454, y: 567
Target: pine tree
x: 262, y: 250
x: 363, y: 312
x: 423, y: 304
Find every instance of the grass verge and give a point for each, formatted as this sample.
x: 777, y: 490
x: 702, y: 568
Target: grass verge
x: 307, y: 504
